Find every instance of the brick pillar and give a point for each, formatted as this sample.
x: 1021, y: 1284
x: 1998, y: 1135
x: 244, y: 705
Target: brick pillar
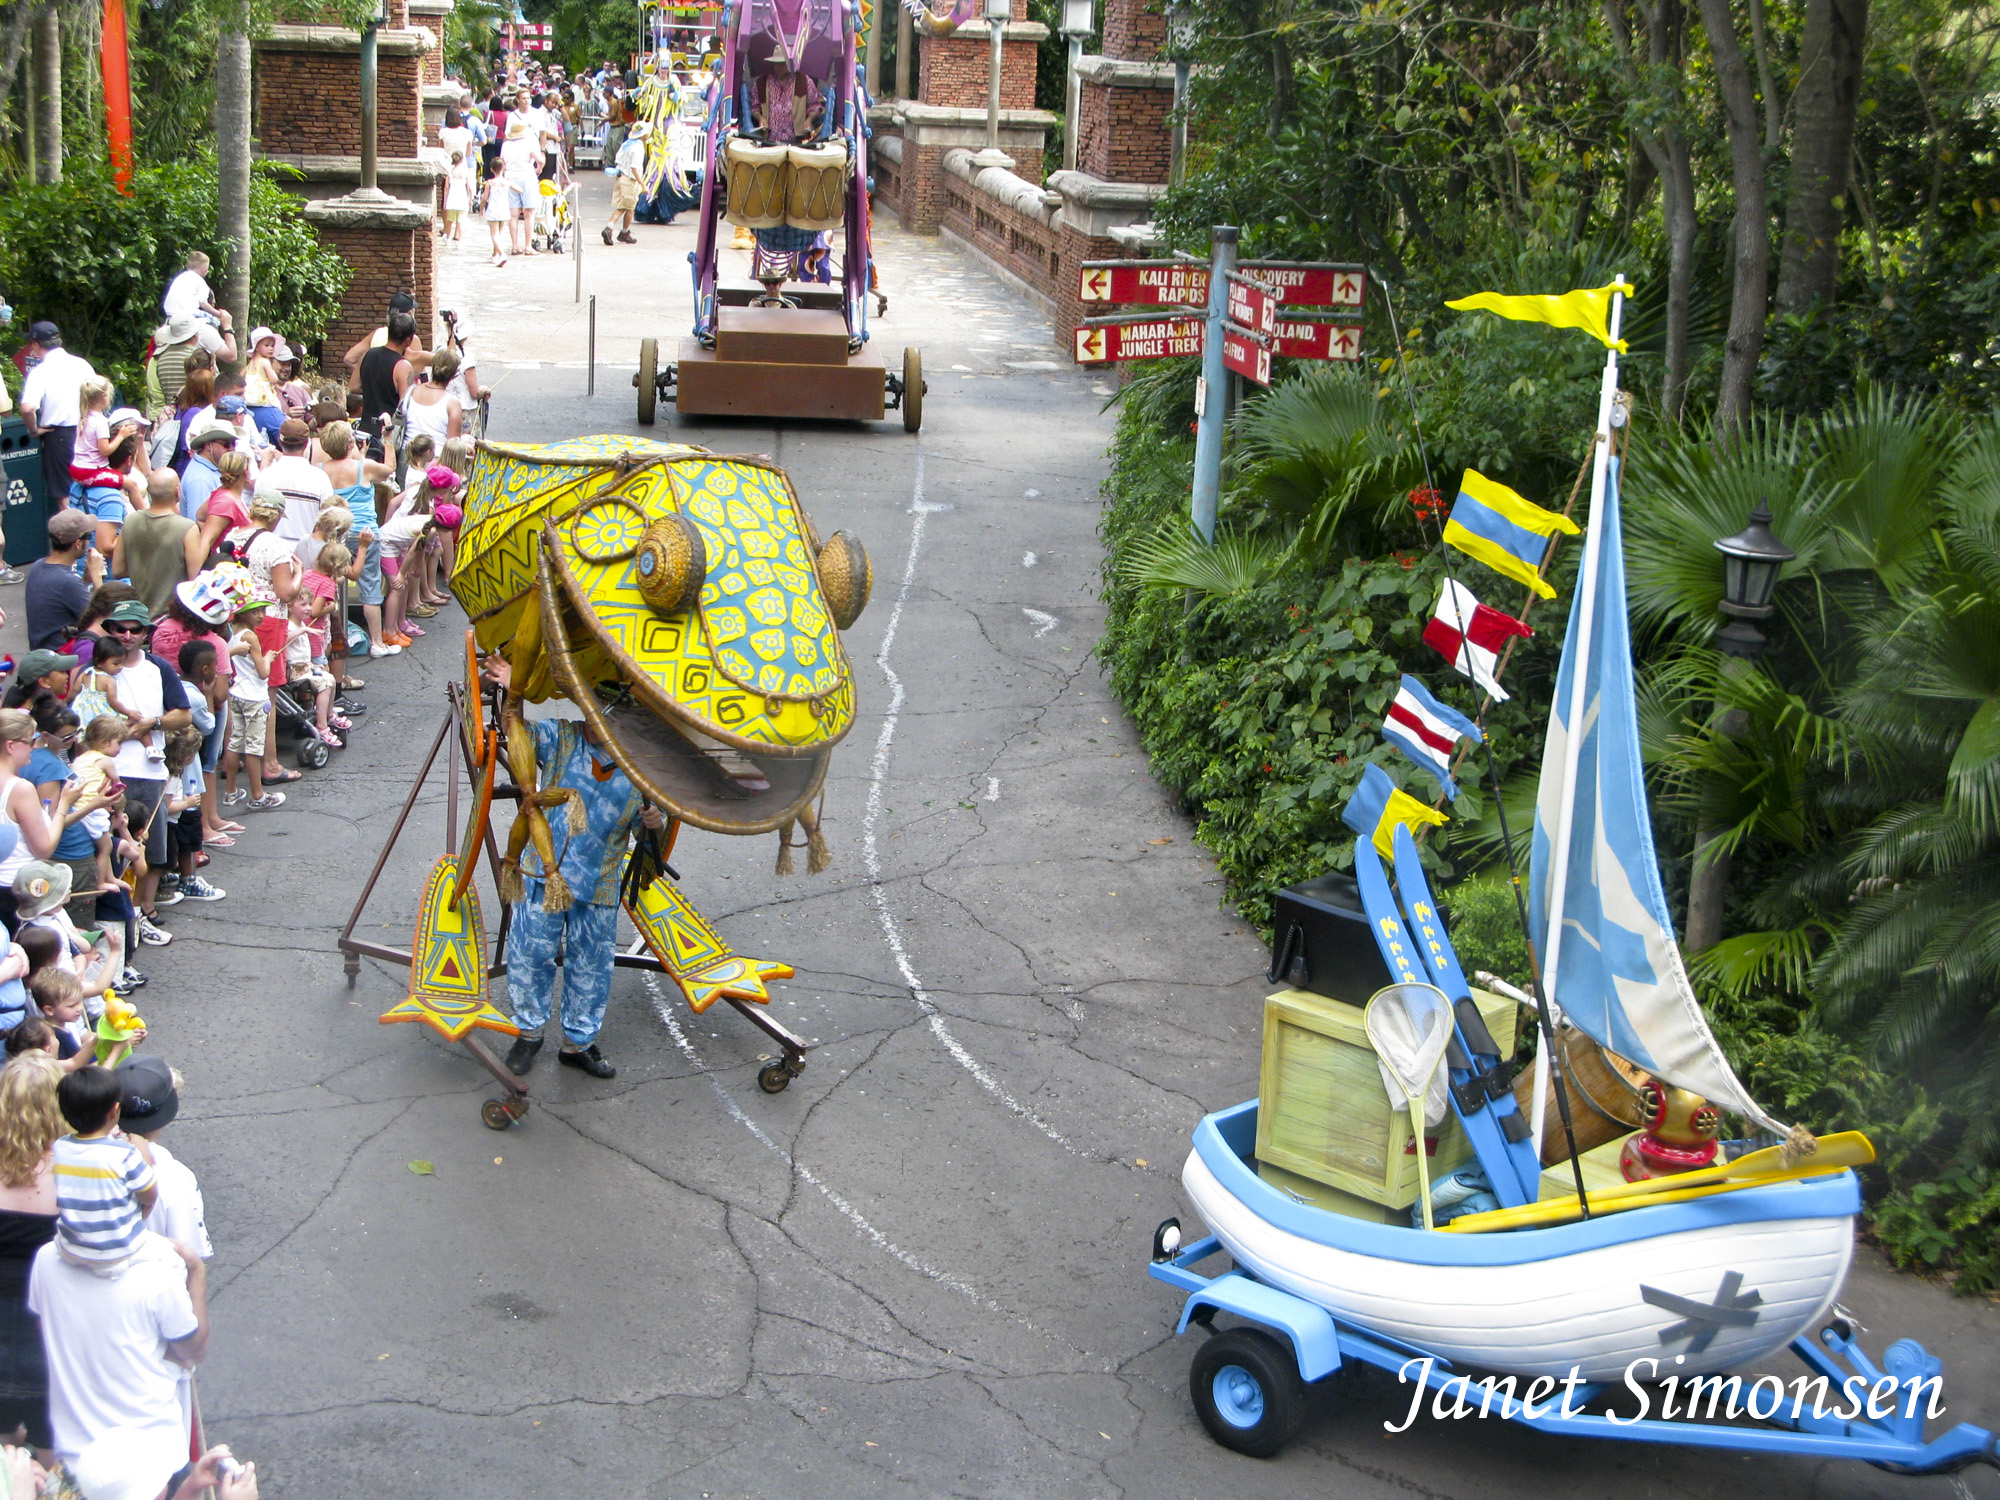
x: 921, y: 182
x: 1074, y: 246
x: 1134, y: 30
x: 388, y: 249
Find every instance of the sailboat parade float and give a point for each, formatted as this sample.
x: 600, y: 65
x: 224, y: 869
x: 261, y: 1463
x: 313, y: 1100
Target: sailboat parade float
x: 1611, y: 1311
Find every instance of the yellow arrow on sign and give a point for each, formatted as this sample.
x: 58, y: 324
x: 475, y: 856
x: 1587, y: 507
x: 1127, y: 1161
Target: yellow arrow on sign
x: 1089, y: 345
x: 1096, y: 286
x: 1346, y: 343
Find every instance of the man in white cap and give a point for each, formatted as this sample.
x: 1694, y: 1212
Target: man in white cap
x: 630, y: 166
x: 173, y: 341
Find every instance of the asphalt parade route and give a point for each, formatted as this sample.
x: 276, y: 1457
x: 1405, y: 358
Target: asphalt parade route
x: 918, y: 1271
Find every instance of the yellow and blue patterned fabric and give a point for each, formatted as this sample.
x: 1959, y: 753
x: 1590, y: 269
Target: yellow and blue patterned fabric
x: 594, y: 860
x: 757, y: 662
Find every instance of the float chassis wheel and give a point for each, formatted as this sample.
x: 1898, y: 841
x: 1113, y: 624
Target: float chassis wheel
x: 499, y: 1114
x: 913, y: 389
x: 648, y: 381
x: 1247, y: 1391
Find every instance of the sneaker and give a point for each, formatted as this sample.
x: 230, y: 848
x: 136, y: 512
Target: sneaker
x: 266, y: 802
x: 152, y: 934
x: 607, y: 234
x: 385, y: 649
x: 627, y: 238
x: 350, y: 706
x: 11, y: 575
x: 230, y: 799
x: 130, y: 979
x: 169, y: 895
x: 198, y: 889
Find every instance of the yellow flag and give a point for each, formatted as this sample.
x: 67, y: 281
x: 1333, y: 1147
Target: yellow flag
x: 1589, y: 310
x: 1404, y: 810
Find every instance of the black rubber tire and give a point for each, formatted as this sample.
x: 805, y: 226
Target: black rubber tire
x: 1247, y: 1362
x: 774, y: 1078
x: 313, y: 754
x: 494, y: 1113
x: 913, y: 390
x: 649, y: 381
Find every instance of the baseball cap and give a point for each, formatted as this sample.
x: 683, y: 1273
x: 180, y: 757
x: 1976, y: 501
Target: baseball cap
x: 283, y: 354
x: 65, y: 526
x: 205, y: 597
x: 231, y: 406
x: 129, y: 414
x: 44, y: 333
x: 292, y: 433
x: 38, y: 664
x: 129, y: 1463
x: 448, y: 516
x: 129, y: 611
x: 147, y: 1098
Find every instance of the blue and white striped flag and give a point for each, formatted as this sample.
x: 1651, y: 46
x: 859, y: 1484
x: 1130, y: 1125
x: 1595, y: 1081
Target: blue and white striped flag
x: 1428, y: 732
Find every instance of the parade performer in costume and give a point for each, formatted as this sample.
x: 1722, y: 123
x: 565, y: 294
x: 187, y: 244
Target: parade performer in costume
x: 575, y: 908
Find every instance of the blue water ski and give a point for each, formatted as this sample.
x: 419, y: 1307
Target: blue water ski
x: 1435, y: 946
x: 1467, y: 1094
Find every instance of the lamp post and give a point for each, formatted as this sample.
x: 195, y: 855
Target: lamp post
x: 368, y: 111
x: 997, y: 14
x: 1751, y: 562
x: 1180, y: 47
x: 1078, y: 21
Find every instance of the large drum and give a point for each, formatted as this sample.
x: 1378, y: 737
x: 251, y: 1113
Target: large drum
x: 757, y: 181
x: 817, y: 197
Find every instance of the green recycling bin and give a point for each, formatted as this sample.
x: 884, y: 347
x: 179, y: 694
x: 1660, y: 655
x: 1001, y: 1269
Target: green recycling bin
x: 25, y: 514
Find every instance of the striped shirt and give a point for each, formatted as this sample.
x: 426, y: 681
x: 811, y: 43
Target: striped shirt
x: 97, y: 1181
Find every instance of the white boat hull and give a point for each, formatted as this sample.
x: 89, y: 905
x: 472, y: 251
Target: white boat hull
x: 1584, y: 1311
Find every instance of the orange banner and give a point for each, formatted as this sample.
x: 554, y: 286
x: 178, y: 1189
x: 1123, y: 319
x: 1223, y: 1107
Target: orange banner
x: 118, y: 94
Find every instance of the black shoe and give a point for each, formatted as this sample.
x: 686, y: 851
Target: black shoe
x: 589, y: 1059
x: 521, y: 1056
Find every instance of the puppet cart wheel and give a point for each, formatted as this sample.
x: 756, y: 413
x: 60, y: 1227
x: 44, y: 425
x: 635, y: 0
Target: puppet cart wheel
x: 774, y: 1078
x: 312, y: 754
x: 913, y: 389
x: 648, y: 381
x: 1247, y: 1391
x: 494, y: 1113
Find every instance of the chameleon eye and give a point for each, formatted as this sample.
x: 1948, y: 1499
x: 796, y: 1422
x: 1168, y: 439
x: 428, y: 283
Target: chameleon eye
x: 845, y: 577
x: 671, y: 563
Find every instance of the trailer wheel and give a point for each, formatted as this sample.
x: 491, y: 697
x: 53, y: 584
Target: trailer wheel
x: 913, y: 389
x: 1247, y: 1391
x: 649, y: 380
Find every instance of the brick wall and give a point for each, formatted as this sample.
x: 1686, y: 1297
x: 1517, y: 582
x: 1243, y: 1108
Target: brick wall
x: 1073, y: 248
x: 921, y: 195
x: 383, y: 261
x: 888, y: 177
x: 1025, y: 246
x: 1122, y: 134
x: 309, y: 103
x: 1134, y: 29
x: 433, y: 60
x: 955, y: 70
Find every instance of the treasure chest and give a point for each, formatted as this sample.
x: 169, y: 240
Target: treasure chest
x: 1323, y: 1112
x: 1320, y: 941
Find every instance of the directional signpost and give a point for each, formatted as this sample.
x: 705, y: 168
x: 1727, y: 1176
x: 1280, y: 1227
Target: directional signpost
x: 1253, y: 304
x: 1246, y: 353
x: 1316, y: 338
x: 1115, y: 339
x: 1184, y: 283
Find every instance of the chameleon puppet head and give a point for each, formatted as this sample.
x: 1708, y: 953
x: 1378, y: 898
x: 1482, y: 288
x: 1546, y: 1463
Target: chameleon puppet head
x: 684, y: 602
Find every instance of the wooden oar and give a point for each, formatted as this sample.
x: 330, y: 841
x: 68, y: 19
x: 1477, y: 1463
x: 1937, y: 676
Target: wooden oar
x: 1850, y: 1148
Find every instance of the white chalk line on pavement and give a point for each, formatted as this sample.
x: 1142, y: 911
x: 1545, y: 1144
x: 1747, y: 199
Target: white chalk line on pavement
x: 871, y: 854
x: 663, y: 1008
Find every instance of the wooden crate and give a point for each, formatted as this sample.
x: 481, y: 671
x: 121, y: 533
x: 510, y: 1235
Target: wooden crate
x: 1332, y: 1199
x: 1600, y: 1167
x: 1323, y: 1112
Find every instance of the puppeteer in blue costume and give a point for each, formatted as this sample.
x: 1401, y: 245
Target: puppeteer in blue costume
x: 574, y: 911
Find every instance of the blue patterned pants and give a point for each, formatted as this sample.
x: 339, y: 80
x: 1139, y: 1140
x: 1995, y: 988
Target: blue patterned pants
x: 588, y: 937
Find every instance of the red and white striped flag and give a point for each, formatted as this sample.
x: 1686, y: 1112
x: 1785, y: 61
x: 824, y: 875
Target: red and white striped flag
x: 1470, y: 635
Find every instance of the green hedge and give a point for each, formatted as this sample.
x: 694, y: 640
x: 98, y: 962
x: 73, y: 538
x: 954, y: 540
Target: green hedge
x: 98, y: 262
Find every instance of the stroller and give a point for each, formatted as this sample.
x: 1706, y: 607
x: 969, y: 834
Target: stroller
x: 555, y: 219
x: 292, y: 706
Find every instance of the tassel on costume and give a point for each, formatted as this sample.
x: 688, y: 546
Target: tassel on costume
x: 556, y: 894
x: 579, y: 817
x: 818, y: 855
x: 511, y: 891
x: 785, y: 849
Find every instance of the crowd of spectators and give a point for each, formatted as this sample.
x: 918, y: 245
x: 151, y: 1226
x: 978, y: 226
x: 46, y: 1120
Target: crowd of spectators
x: 216, y: 556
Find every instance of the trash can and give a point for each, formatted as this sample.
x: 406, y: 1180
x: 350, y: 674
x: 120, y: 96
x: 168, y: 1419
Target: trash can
x: 25, y: 514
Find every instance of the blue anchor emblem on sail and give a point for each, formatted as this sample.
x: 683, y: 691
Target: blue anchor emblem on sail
x: 1702, y: 1321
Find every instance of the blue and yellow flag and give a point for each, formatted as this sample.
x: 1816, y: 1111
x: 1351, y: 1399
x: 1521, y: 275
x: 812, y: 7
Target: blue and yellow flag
x: 1497, y: 527
x: 1589, y: 309
x: 1378, y: 807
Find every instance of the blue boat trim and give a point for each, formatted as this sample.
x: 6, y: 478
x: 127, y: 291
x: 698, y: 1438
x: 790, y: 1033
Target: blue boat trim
x: 1227, y: 1140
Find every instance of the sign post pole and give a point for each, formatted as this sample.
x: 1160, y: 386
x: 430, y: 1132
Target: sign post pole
x: 1210, y: 400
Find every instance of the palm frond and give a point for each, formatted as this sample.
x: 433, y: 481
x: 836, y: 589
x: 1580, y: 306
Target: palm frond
x: 1177, y: 558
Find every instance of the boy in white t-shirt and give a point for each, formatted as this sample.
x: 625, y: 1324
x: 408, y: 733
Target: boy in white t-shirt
x: 189, y: 295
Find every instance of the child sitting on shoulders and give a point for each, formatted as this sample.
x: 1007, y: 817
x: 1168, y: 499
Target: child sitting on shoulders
x: 95, y: 771
x: 94, y: 690
x: 104, y: 1180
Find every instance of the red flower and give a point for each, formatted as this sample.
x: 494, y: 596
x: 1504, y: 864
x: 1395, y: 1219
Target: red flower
x: 1426, y: 502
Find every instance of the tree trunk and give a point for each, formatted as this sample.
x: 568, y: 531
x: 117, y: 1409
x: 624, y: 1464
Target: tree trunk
x: 1708, y: 884
x: 46, y: 100
x: 1750, y: 227
x: 1822, y: 150
x: 232, y: 173
x: 12, y: 43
